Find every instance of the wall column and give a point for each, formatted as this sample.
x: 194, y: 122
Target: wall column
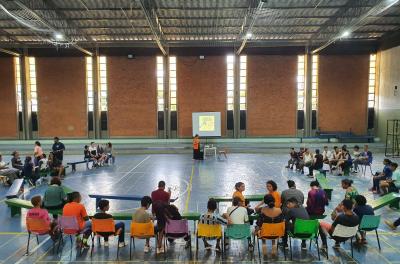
x: 96, y: 97
x: 308, y: 95
x: 26, y: 96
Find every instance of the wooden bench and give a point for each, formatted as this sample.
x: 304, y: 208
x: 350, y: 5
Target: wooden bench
x: 355, y: 138
x: 73, y: 164
x: 332, y: 134
x: 15, y: 189
x: 98, y: 197
x: 391, y: 199
x: 324, y: 184
x: 251, y: 198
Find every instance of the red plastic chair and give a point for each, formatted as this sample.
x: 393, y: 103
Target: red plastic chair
x: 37, y: 227
x: 100, y: 226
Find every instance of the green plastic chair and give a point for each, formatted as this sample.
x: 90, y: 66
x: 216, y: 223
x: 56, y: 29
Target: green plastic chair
x: 371, y: 223
x: 238, y: 232
x: 305, y: 230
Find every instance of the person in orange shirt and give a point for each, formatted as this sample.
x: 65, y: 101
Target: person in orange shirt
x: 196, y: 147
x: 239, y: 189
x: 272, y: 188
x: 75, y: 208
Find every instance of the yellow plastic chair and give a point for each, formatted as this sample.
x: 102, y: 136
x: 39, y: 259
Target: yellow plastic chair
x: 270, y: 231
x: 141, y: 231
x: 208, y: 232
x: 101, y: 226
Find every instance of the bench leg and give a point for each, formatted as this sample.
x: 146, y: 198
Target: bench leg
x: 329, y: 194
x: 15, y: 211
x: 73, y: 167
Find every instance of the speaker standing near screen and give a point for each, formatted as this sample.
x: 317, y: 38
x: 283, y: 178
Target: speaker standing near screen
x: 196, y: 148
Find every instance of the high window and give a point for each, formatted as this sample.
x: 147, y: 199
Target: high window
x: 160, y: 83
x: 314, y: 83
x: 172, y: 83
x: 89, y: 83
x: 300, y: 82
x: 18, y: 83
x: 230, y: 59
x: 372, y: 81
x: 33, y: 86
x: 243, y: 82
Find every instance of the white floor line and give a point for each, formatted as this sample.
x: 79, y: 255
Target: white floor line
x: 30, y: 251
x: 126, y: 174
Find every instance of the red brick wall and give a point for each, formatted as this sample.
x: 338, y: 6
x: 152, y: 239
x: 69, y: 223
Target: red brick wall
x: 8, y: 102
x: 132, y: 106
x: 201, y: 87
x: 62, y: 106
x: 343, y: 93
x: 271, y: 99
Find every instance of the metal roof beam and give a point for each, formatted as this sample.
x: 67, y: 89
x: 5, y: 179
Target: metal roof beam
x: 154, y: 23
x: 9, y: 52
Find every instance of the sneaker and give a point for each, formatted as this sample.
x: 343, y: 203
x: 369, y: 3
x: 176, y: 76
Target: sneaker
x: 303, y: 246
x: 207, y: 246
x: 286, y: 246
x: 187, y: 245
x: 121, y: 244
x: 287, y: 167
x: 251, y: 247
x: 324, y: 248
x: 390, y: 224
x: 147, y: 249
x: 106, y: 244
x: 217, y: 248
x: 85, y: 244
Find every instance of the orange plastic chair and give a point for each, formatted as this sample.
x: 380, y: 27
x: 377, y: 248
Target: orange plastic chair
x: 141, y: 231
x: 101, y: 226
x: 270, y: 231
x: 37, y: 227
x: 209, y: 232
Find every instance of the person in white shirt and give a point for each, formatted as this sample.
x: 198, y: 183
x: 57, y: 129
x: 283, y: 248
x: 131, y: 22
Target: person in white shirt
x: 327, y: 155
x: 237, y: 215
x: 308, y: 160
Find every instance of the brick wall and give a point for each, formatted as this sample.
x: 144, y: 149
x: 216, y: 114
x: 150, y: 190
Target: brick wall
x: 201, y: 87
x: 132, y: 105
x: 343, y: 93
x: 62, y: 106
x: 271, y: 99
x: 8, y: 103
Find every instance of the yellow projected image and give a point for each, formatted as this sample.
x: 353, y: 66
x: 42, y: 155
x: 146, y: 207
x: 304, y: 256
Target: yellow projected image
x: 206, y: 123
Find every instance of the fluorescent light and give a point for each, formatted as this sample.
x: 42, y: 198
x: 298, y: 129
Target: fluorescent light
x: 59, y: 36
x: 345, y: 34
x: 249, y: 35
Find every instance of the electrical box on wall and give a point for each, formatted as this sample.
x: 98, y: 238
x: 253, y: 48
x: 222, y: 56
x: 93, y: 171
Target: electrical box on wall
x: 201, y: 57
x: 131, y: 56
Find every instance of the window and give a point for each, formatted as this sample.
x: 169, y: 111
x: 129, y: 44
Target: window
x: 18, y: 83
x: 32, y: 81
x: 103, y: 82
x: 243, y: 82
x: 89, y: 83
x: 300, y: 82
x: 160, y: 83
x: 372, y: 81
x: 314, y: 83
x: 230, y: 59
x: 172, y: 83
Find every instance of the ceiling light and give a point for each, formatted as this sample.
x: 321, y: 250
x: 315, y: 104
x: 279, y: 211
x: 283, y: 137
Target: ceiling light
x: 59, y: 36
x: 249, y: 35
x: 345, y: 34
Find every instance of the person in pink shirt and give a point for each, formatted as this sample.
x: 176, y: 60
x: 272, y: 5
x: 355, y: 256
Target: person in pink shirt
x: 36, y: 212
x: 37, y: 152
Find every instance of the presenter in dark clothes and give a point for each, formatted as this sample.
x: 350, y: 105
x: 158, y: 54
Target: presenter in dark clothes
x: 196, y: 148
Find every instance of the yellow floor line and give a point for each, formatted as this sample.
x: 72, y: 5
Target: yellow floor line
x: 190, y: 190
x: 13, y: 233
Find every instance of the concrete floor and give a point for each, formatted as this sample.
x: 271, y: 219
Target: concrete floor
x: 192, y: 182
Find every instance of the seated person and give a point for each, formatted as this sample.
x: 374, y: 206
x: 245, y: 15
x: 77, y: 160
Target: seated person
x: 316, y: 200
x: 347, y: 218
x: 237, y: 215
x: 10, y: 173
x: 393, y: 184
x: 361, y: 208
x: 104, y: 206
x: 294, y: 159
x: 335, y: 158
x: 94, y: 155
x: 211, y: 218
x: 365, y: 158
x: 356, y: 156
x: 300, y: 161
x: 141, y: 215
x: 307, y: 160
x: 101, y: 154
x: 386, y: 174
x: 344, y: 161
x: 54, y: 196
x: 318, y: 162
x: 36, y: 212
x: 295, y: 211
x: 327, y: 155
x: 239, y: 189
x: 292, y: 192
x: 109, y: 153
x: 30, y: 171
x: 55, y: 166
x: 76, y: 209
x: 351, y: 191
x: 269, y: 213
x: 272, y: 188
x: 16, y: 162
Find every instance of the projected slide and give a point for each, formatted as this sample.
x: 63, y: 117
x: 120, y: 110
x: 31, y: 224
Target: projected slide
x: 206, y: 124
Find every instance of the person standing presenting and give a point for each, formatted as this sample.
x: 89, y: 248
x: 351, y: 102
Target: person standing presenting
x: 196, y: 147
x: 58, y: 149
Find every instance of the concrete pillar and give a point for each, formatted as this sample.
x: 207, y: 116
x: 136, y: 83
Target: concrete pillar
x: 26, y: 96
x: 308, y: 95
x: 96, y: 97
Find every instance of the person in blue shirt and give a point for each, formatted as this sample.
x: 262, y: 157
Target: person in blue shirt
x: 361, y: 208
x: 58, y: 149
x: 364, y: 159
x: 386, y: 174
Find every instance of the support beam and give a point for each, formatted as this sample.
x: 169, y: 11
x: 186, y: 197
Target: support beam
x: 355, y: 24
x: 9, y: 52
x: 154, y: 24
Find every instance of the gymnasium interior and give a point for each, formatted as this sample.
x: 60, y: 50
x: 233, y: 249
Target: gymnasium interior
x: 252, y: 78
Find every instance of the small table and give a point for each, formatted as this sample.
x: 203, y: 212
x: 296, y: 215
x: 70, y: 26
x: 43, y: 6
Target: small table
x: 208, y: 148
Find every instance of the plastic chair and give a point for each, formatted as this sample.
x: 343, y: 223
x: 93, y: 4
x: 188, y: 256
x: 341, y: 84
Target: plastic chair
x: 177, y: 229
x: 238, y: 232
x: 364, y: 168
x: 141, y: 231
x: 370, y: 223
x: 343, y: 233
x: 69, y: 226
x: 305, y: 230
x: 37, y: 227
x: 208, y: 232
x: 270, y: 231
x: 101, y: 226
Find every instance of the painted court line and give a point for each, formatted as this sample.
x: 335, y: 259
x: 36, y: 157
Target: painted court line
x: 126, y: 174
x: 189, y: 190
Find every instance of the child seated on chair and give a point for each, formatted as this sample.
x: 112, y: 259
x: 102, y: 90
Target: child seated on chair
x: 75, y: 208
x: 104, y: 206
x: 141, y: 215
x: 38, y: 213
x: 211, y: 218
